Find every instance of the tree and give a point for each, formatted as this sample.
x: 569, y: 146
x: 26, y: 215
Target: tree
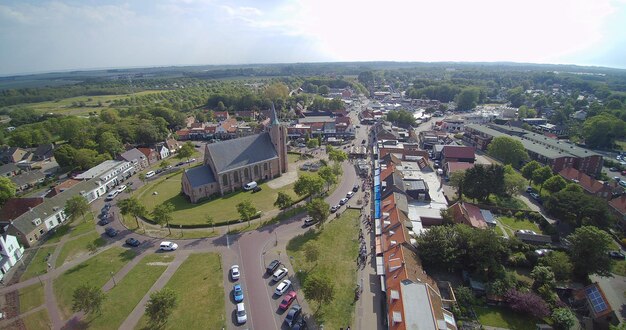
x: 402, y: 118
x: 482, y: 181
x: 579, y: 208
x: 543, y: 276
x: 514, y: 182
x: 560, y: 264
x: 601, y: 131
x: 64, y: 155
x: 164, y: 164
x: 283, y: 201
x: 467, y: 99
x: 88, y: 299
x: 160, y: 306
x: 574, y: 187
x: 529, y: 303
x: 132, y: 206
x: 142, y: 177
x: 308, y: 185
x: 318, y: 210
x: 528, y: 170
x: 327, y: 174
x: 76, y: 207
x: 323, y: 90
x: 319, y: 288
x: 589, y: 251
x: 456, y: 181
x: 337, y: 155
x: 186, y: 151
x: 108, y: 142
x: 162, y: 214
x: 563, y: 318
x: 541, y: 175
x: 312, y: 143
x: 555, y: 183
x: 246, y: 210
x: 277, y: 91
x: 209, y: 221
x: 311, y: 252
x: 508, y: 150
x: 7, y: 189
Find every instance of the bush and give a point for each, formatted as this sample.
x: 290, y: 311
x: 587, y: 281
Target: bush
x: 519, y: 215
x: 529, y: 303
x: 518, y: 260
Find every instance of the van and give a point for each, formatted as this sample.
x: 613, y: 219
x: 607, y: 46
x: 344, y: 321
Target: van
x: 112, y: 195
x: 250, y: 185
x: 150, y: 174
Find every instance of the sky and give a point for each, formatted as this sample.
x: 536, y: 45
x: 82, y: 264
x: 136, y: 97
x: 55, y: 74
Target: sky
x: 44, y: 36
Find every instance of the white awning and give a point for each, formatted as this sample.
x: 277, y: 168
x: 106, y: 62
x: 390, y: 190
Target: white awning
x: 380, y: 266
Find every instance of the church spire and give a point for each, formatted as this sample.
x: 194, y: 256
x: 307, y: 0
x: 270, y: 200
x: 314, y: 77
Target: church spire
x: 275, y: 119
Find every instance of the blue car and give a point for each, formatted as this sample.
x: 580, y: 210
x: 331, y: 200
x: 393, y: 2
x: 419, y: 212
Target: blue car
x: 238, y: 293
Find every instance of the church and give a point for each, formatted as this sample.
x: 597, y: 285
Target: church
x: 229, y: 165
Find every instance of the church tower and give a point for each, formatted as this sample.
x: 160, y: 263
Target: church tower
x: 278, y: 135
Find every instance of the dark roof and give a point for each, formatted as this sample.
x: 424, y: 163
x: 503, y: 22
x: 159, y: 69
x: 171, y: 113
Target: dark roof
x: 231, y: 154
x: 8, y: 168
x: 14, y: 207
x: 458, y: 152
x: 199, y: 175
x: 132, y: 154
x: 44, y: 151
x: 27, y: 178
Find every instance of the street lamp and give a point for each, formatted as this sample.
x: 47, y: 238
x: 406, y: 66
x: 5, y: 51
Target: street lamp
x: 113, y: 278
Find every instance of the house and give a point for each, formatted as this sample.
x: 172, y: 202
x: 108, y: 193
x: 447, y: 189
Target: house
x: 10, y: 253
x: 67, y: 184
x: 617, y: 206
x: 451, y: 153
x: 135, y: 157
x: 590, y: 185
x: 451, y: 167
x: 12, y: 155
x: 151, y: 155
x: 9, y: 170
x: 471, y: 215
x: 173, y: 145
x: 229, y: 165
x: 32, y: 225
x: 109, y: 174
x: 221, y: 115
x: 534, y: 238
x: 162, y: 151
x: 14, y: 207
x: 43, y: 152
x: 598, y: 307
x: 28, y: 180
x: 183, y: 134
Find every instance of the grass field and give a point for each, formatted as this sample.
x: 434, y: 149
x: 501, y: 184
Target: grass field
x: 122, y: 299
x: 66, y: 107
x: 77, y: 227
x: 31, y: 297
x: 74, y: 248
x: 338, y: 248
x: 504, y: 318
x: 619, y: 267
x: 512, y: 224
x: 221, y: 209
x: 37, y: 320
x: 198, y: 282
x: 39, y: 264
x: 95, y: 271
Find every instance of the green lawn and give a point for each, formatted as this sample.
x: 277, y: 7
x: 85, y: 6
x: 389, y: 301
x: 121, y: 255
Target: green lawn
x: 122, y: 299
x: 338, y: 247
x: 31, y: 297
x: 198, y: 282
x: 37, y: 320
x: 95, y: 271
x: 77, y: 227
x: 512, y: 224
x: 510, y: 202
x: 77, y: 247
x: 38, y: 265
x: 64, y: 106
x: 222, y: 209
x: 504, y: 318
x: 619, y: 267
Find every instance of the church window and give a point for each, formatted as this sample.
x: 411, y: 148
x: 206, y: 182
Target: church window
x: 236, y: 177
x: 265, y: 167
x: 246, y: 173
x: 225, y: 180
x: 256, y: 170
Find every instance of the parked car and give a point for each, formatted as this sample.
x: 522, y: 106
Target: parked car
x: 622, y: 183
x: 542, y: 252
x: 121, y: 188
x: 624, y: 172
x: 271, y: 268
x: 526, y: 231
x: 241, y: 313
x: 349, y: 195
x: 355, y: 188
x: 133, y: 241
x: 150, y: 174
x: 334, y: 208
x: 104, y: 222
x: 293, y: 315
x: 282, y: 287
x: 530, y: 190
x: 343, y: 201
x: 308, y: 221
x: 299, y: 325
x: 168, y: 246
x: 256, y: 189
x: 234, y: 272
x: 279, y: 274
x: 237, y: 293
x: 613, y: 169
x: 289, y: 298
x: 617, y: 255
x: 111, y: 232
x: 112, y: 195
x: 536, y: 197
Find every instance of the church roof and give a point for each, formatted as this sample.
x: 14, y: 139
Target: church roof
x: 200, y: 175
x: 231, y: 154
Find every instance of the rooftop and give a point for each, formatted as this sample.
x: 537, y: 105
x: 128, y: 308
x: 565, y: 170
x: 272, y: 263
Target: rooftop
x: 99, y: 169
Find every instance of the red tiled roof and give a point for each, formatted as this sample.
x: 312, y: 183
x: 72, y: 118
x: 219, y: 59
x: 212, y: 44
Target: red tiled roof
x: 588, y: 183
x: 619, y: 204
x: 146, y: 151
x: 458, y: 152
x: 15, y: 207
x: 458, y: 166
x: 62, y: 187
x: 466, y: 212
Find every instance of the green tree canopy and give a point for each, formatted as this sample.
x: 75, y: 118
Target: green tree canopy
x: 601, y: 131
x: 480, y: 181
x: 555, y: 183
x: 88, y: 299
x: 528, y: 169
x: 246, y: 210
x: 132, y: 206
x: 283, y: 200
x: 467, y: 99
x: 402, y: 118
x: 564, y: 318
x: 541, y: 175
x: 560, y: 264
x: 7, y: 189
x: 318, y: 210
x: 508, y: 150
x: 589, y: 251
x: 514, y: 182
x: 578, y: 208
x: 310, y: 185
x: 162, y: 215
x: 328, y: 175
x: 160, y: 306
x: 319, y: 287
x: 76, y: 207
x: 185, y: 152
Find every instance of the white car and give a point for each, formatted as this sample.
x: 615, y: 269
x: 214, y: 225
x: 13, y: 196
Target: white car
x: 168, y: 246
x: 349, y: 194
x: 234, y: 272
x: 150, y: 174
x: 526, y: 231
x: 282, y: 287
x: 279, y: 274
x: 241, y: 313
x: 343, y: 201
x: 121, y: 188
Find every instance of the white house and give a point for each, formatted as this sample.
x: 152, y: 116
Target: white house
x: 163, y: 151
x: 10, y: 252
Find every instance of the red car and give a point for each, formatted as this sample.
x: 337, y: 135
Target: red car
x: 289, y: 298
